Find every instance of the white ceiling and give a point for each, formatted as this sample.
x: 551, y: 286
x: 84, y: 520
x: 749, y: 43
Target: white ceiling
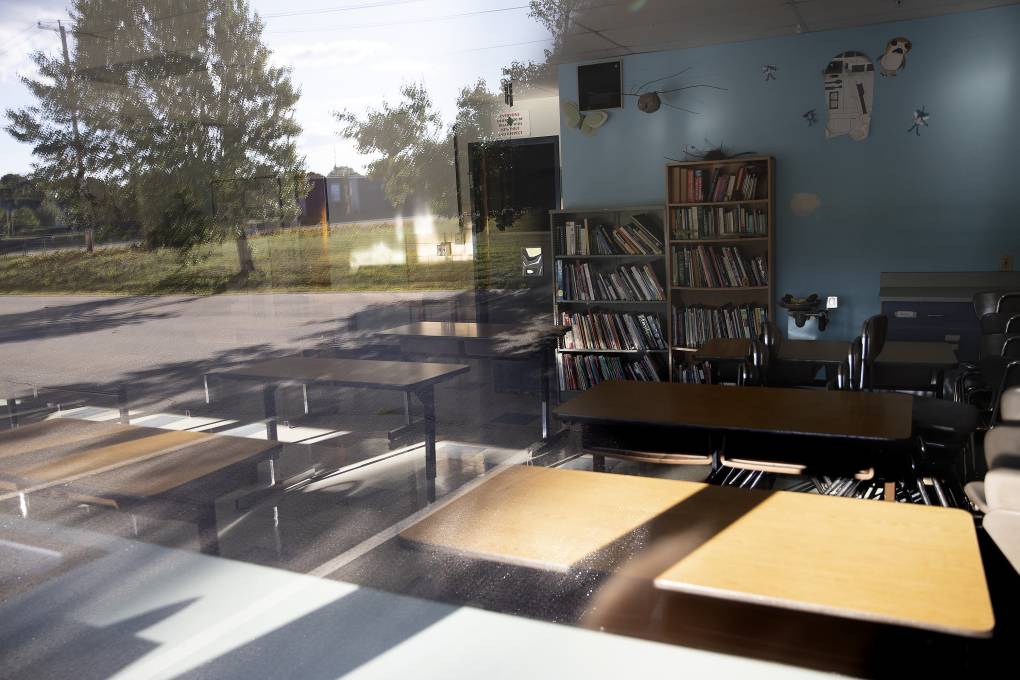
x: 612, y: 28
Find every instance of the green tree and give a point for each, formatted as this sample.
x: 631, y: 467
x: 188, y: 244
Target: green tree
x: 185, y: 118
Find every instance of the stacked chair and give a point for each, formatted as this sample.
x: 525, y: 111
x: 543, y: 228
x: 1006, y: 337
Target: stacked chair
x: 998, y: 496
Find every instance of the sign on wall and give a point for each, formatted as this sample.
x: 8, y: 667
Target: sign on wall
x: 511, y: 124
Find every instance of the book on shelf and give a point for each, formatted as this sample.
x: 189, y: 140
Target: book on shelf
x: 693, y: 374
x: 694, y: 325
x: 640, y: 236
x: 716, y: 184
x: 717, y: 267
x: 582, y: 371
x: 577, y: 281
x: 698, y: 222
x: 612, y: 331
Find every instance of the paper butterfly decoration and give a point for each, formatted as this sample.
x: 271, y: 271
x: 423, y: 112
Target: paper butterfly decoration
x: 588, y: 123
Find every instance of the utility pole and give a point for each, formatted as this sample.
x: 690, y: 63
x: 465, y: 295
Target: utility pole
x: 79, y: 162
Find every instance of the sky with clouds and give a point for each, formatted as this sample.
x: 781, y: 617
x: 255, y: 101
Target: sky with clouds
x: 344, y: 54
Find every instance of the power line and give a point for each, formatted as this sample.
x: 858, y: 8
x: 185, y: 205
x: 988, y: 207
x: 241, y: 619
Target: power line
x: 382, y: 24
x: 8, y: 46
x: 345, y: 8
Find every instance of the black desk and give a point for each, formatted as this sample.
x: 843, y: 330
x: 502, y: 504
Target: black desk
x: 484, y: 340
x: 403, y: 376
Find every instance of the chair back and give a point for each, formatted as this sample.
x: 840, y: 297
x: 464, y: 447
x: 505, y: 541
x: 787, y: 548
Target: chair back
x: 1009, y: 405
x: 872, y: 341
x: 996, y: 301
x: 855, y: 364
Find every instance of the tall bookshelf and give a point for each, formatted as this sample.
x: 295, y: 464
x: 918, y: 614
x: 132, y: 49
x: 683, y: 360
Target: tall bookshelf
x: 610, y: 336
x: 720, y: 217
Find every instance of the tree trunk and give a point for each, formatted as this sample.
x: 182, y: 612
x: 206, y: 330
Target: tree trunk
x: 244, y: 256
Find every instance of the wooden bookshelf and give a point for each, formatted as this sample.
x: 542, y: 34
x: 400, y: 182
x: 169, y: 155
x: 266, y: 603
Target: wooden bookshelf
x: 604, y: 221
x: 721, y: 222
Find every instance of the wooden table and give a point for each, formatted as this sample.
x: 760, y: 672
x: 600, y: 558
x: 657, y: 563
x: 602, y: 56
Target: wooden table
x: 169, y: 474
x: 403, y: 376
x: 880, y: 417
x: 484, y: 340
x: 934, y: 357
x: 920, y: 566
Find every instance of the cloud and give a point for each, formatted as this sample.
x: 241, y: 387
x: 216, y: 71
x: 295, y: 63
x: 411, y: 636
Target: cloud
x: 327, y: 53
x: 20, y: 36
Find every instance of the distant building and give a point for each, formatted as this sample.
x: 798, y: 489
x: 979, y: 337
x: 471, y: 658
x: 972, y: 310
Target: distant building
x: 344, y: 195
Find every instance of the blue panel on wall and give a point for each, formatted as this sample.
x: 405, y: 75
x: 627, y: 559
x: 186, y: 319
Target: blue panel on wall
x: 947, y: 200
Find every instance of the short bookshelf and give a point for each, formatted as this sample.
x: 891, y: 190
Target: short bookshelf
x: 611, y: 290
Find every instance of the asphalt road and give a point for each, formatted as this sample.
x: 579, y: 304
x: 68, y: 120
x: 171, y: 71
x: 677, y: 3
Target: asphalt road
x: 162, y: 345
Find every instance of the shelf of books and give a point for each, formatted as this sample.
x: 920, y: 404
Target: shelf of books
x: 611, y: 292
x: 720, y: 227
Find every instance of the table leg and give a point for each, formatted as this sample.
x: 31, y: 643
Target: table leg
x: 122, y: 406
x: 407, y: 408
x: 269, y: 404
x: 889, y: 491
x: 208, y: 534
x: 427, y: 397
x: 205, y: 383
x: 544, y: 391
x: 598, y: 463
x: 12, y: 412
x: 304, y: 395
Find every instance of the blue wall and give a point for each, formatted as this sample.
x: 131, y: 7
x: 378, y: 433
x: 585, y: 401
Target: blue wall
x: 948, y: 200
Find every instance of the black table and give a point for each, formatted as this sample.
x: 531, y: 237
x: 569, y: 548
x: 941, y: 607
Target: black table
x: 484, y: 340
x: 408, y: 377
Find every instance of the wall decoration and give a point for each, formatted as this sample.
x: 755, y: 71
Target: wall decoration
x: 593, y: 120
x: 803, y: 205
x: 571, y: 114
x: 849, y: 93
x: 811, y: 117
x: 920, y: 120
x: 710, y: 153
x: 649, y: 101
x: 768, y: 72
x: 895, y: 58
x: 587, y: 123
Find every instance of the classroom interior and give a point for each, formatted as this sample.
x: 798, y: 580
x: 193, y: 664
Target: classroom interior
x: 747, y: 403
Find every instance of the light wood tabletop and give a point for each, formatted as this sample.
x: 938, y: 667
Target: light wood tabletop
x: 936, y: 355
x: 112, y: 461
x: 919, y: 567
x: 395, y: 375
x: 822, y: 413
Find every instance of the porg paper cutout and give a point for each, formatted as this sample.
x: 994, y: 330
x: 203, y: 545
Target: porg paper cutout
x: 849, y: 93
x: 895, y: 58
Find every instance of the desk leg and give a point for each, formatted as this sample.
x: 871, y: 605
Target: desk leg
x: 544, y: 391
x: 208, y: 534
x: 12, y: 412
x: 889, y: 491
x: 269, y: 406
x: 205, y: 383
x: 407, y: 408
x: 122, y: 406
x: 427, y: 397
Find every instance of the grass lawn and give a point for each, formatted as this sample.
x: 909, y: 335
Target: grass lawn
x: 299, y: 259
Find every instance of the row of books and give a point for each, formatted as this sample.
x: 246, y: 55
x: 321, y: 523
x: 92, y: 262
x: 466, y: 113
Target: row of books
x: 576, y: 281
x: 581, y: 371
x: 718, y: 267
x: 694, y: 325
x: 716, y: 184
x: 693, y: 374
x: 607, y: 330
x: 713, y: 222
x: 640, y: 236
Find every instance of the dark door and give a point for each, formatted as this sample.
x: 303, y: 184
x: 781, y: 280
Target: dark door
x: 514, y: 185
